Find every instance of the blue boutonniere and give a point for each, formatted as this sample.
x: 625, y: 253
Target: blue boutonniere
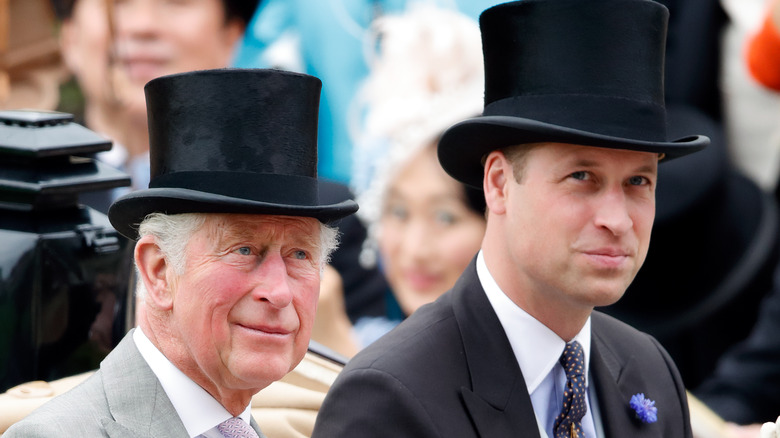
x: 644, y: 408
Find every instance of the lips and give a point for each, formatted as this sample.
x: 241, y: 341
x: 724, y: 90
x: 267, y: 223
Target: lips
x: 608, y: 257
x: 609, y: 252
x: 143, y: 69
x: 143, y: 61
x: 422, y: 281
x: 266, y: 329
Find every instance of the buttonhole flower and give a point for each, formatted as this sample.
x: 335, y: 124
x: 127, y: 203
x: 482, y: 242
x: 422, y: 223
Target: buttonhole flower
x: 645, y: 408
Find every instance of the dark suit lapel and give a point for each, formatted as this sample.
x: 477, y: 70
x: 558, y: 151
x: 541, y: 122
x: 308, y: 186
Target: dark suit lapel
x: 616, y: 381
x: 497, y: 400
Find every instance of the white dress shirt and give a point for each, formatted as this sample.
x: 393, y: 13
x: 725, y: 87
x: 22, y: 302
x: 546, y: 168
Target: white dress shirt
x: 538, y: 350
x: 199, y: 411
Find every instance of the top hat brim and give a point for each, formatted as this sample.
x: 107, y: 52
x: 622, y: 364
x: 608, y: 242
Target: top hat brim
x: 462, y: 147
x: 127, y: 212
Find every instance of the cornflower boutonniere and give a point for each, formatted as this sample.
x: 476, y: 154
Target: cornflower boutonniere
x: 644, y: 408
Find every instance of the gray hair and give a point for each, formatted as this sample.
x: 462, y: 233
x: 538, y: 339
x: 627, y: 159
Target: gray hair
x: 173, y: 233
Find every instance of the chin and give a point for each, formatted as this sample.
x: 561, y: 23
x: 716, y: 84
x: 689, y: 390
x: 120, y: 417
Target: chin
x: 270, y: 363
x: 413, y: 298
x: 606, y: 294
x: 262, y: 374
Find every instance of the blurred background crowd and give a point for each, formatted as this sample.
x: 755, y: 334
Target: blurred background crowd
x: 396, y: 74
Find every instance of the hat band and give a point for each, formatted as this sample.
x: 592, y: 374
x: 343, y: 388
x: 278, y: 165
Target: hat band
x: 605, y: 115
x: 251, y: 186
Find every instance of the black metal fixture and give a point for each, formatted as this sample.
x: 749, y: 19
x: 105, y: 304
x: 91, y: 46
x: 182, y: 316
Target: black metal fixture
x: 65, y: 273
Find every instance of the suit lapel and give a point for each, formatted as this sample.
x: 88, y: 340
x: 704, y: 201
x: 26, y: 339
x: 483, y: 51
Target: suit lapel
x: 498, y: 400
x: 116, y: 430
x: 135, y: 397
x: 616, y: 380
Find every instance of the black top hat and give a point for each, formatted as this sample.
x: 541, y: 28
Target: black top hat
x: 230, y: 141
x: 568, y: 71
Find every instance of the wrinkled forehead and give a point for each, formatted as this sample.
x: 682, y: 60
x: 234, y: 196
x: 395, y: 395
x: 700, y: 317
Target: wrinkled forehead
x: 220, y: 227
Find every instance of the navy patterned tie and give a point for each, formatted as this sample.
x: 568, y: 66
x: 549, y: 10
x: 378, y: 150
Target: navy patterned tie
x: 568, y: 424
x: 236, y: 428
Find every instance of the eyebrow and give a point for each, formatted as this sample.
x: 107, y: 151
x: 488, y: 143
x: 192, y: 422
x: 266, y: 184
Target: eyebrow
x: 646, y: 168
x: 587, y: 162
x: 240, y: 231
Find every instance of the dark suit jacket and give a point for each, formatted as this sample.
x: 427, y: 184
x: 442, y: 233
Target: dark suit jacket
x: 123, y: 399
x: 745, y: 387
x: 449, y: 371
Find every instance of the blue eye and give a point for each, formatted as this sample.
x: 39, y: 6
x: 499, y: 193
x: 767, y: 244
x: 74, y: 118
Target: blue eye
x: 245, y: 250
x: 637, y: 180
x: 581, y: 175
x: 300, y: 255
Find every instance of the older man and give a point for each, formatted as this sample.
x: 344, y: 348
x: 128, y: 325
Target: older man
x: 231, y: 244
x: 566, y: 151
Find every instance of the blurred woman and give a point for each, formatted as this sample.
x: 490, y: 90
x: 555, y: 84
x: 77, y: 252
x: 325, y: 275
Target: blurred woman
x: 424, y: 227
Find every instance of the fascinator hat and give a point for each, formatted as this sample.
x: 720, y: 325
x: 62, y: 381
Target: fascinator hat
x: 425, y: 74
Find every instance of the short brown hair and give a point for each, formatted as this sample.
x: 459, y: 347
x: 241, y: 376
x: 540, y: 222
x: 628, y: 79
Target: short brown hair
x: 516, y: 154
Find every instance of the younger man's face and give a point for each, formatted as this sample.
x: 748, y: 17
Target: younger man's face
x: 579, y: 223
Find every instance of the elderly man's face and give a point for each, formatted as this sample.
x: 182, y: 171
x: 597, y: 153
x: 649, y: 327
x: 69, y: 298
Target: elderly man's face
x: 244, y: 306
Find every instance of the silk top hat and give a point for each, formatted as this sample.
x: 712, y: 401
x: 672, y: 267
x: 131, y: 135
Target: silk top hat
x: 230, y: 141
x: 568, y: 71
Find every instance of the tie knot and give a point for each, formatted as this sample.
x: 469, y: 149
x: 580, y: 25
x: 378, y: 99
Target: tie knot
x: 573, y: 359
x: 236, y: 428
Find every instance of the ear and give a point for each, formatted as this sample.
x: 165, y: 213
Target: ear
x: 154, y: 271
x: 497, y: 175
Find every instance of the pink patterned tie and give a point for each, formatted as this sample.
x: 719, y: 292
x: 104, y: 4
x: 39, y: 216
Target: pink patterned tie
x: 236, y: 428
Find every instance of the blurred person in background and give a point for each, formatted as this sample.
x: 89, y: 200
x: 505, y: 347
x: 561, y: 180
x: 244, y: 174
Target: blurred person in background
x: 763, y: 49
x: 328, y: 39
x: 423, y: 226
x: 750, y: 109
x: 114, y: 47
x: 31, y: 68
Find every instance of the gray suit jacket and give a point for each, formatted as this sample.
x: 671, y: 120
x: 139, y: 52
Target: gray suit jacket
x: 449, y: 371
x: 123, y: 399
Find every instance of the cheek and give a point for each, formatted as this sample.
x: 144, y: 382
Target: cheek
x: 204, y: 46
x: 89, y: 59
x: 305, y: 301
x: 643, y: 219
x: 461, y: 246
x: 212, y: 295
x: 389, y: 241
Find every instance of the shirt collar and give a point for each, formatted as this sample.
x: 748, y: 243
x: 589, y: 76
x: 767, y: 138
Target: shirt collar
x: 198, y: 410
x: 536, y: 347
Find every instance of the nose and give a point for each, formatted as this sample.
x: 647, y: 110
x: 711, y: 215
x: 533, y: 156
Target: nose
x: 416, y: 242
x: 137, y: 17
x: 612, y: 212
x: 273, y: 285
